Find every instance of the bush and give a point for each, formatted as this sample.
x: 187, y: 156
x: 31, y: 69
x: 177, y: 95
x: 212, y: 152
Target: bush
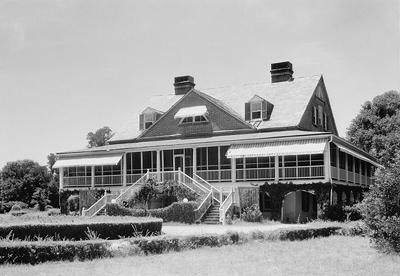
x: 15, y: 208
x: 252, y: 213
x: 76, y: 231
x: 44, y: 251
x: 73, y: 203
x: 177, y: 211
x: 113, y: 209
x: 48, y: 207
x: 353, y: 212
x: 8, y: 205
x: 333, y: 213
x: 53, y: 212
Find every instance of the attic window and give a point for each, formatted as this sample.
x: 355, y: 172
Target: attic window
x: 258, y: 109
x: 193, y: 119
x: 148, y: 117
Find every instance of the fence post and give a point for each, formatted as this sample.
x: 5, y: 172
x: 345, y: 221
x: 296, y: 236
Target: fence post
x: 179, y: 175
x: 148, y: 174
x: 83, y: 211
x: 220, y: 196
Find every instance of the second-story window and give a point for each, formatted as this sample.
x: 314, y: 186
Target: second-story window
x: 149, y: 119
x: 193, y: 119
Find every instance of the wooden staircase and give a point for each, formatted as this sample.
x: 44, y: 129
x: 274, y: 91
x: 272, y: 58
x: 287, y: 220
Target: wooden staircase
x: 212, y: 214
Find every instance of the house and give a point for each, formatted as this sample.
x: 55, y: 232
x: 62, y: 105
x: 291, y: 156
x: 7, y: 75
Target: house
x: 220, y: 140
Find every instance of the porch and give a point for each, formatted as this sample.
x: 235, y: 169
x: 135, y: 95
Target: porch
x: 218, y: 166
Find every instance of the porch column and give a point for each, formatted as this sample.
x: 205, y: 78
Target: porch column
x: 92, y: 177
x: 327, y: 163
x: 354, y: 170
x: 61, y: 172
x: 347, y: 168
x: 194, y: 160
x: 233, y: 170
x: 338, y: 163
x: 124, y: 170
x: 276, y: 164
x: 158, y: 165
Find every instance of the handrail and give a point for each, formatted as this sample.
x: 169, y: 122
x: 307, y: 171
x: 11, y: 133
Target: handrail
x: 96, y: 207
x: 223, y: 209
x: 203, y: 207
x: 120, y: 196
x: 195, y: 182
x: 211, y: 188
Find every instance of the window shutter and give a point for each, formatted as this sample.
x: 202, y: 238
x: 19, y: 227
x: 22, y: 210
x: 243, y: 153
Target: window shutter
x: 247, y: 111
x: 141, y: 122
x: 264, y: 111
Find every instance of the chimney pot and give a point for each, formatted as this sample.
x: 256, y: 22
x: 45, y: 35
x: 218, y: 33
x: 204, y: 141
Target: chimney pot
x: 281, y: 71
x: 183, y: 84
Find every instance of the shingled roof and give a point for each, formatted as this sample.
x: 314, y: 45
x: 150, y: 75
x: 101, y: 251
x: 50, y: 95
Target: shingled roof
x: 290, y: 99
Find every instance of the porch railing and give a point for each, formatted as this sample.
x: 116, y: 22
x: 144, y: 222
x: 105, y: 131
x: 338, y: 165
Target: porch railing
x: 203, y: 207
x: 78, y: 181
x: 301, y: 172
x: 97, y: 206
x: 225, y: 205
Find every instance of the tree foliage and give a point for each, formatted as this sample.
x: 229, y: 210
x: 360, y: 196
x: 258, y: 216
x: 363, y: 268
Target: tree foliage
x: 381, y: 208
x: 20, y: 180
x: 376, y: 129
x: 99, y: 137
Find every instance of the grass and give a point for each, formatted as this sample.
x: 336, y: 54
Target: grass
x: 336, y: 255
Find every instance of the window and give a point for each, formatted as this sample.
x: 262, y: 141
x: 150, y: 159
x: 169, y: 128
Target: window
x: 319, y: 93
x: 320, y: 115
x: 256, y: 110
x: 325, y: 121
x: 314, y: 116
x: 148, y: 117
x: 195, y: 119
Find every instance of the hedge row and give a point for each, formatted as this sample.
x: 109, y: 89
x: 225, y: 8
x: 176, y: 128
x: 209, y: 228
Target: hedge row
x: 177, y: 212
x: 78, y: 231
x: 36, y: 252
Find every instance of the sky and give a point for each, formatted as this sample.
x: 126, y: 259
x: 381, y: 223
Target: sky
x: 68, y: 67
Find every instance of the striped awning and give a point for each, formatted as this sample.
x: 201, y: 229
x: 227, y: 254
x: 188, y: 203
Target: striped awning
x: 277, y: 148
x: 191, y: 112
x: 89, y: 161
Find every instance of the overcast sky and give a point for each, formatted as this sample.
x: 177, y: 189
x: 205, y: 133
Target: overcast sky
x: 70, y: 67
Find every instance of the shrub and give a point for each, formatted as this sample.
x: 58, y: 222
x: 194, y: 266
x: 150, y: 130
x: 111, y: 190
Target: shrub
x: 113, y: 209
x: 333, y: 213
x: 8, y: 205
x: 53, y: 212
x: 73, y: 203
x: 15, y: 208
x: 353, y: 212
x: 40, y: 199
x: 177, y: 211
x: 76, y: 231
x: 44, y: 251
x: 18, y: 213
x: 252, y: 213
x: 48, y: 207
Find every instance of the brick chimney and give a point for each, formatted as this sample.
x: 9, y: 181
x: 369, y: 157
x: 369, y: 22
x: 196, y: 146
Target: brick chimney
x: 281, y: 71
x: 183, y: 84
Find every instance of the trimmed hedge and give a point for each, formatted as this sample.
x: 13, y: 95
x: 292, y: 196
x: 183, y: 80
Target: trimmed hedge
x: 114, y: 209
x: 37, y: 252
x: 40, y: 251
x: 77, y: 231
x: 177, y: 212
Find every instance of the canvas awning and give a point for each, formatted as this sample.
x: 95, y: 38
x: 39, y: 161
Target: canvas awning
x: 277, y: 148
x: 359, y: 156
x: 191, y: 112
x: 89, y: 161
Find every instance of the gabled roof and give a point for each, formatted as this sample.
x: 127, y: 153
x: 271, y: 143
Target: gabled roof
x: 289, y: 98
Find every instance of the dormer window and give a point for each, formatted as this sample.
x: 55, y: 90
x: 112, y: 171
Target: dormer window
x: 258, y: 109
x: 190, y: 115
x: 148, y: 117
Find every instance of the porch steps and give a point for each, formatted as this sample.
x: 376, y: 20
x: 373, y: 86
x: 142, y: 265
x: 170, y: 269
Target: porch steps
x: 212, y: 215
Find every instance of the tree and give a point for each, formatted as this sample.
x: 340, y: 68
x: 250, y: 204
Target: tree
x: 377, y: 127
x: 381, y: 208
x: 20, y: 180
x: 52, y: 191
x: 100, y: 137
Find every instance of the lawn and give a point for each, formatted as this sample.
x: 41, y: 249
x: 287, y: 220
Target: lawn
x: 336, y: 255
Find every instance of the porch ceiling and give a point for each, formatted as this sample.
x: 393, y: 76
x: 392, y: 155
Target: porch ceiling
x: 92, y: 161
x: 277, y: 148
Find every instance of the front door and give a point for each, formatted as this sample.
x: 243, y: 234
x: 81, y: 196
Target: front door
x: 179, y: 162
